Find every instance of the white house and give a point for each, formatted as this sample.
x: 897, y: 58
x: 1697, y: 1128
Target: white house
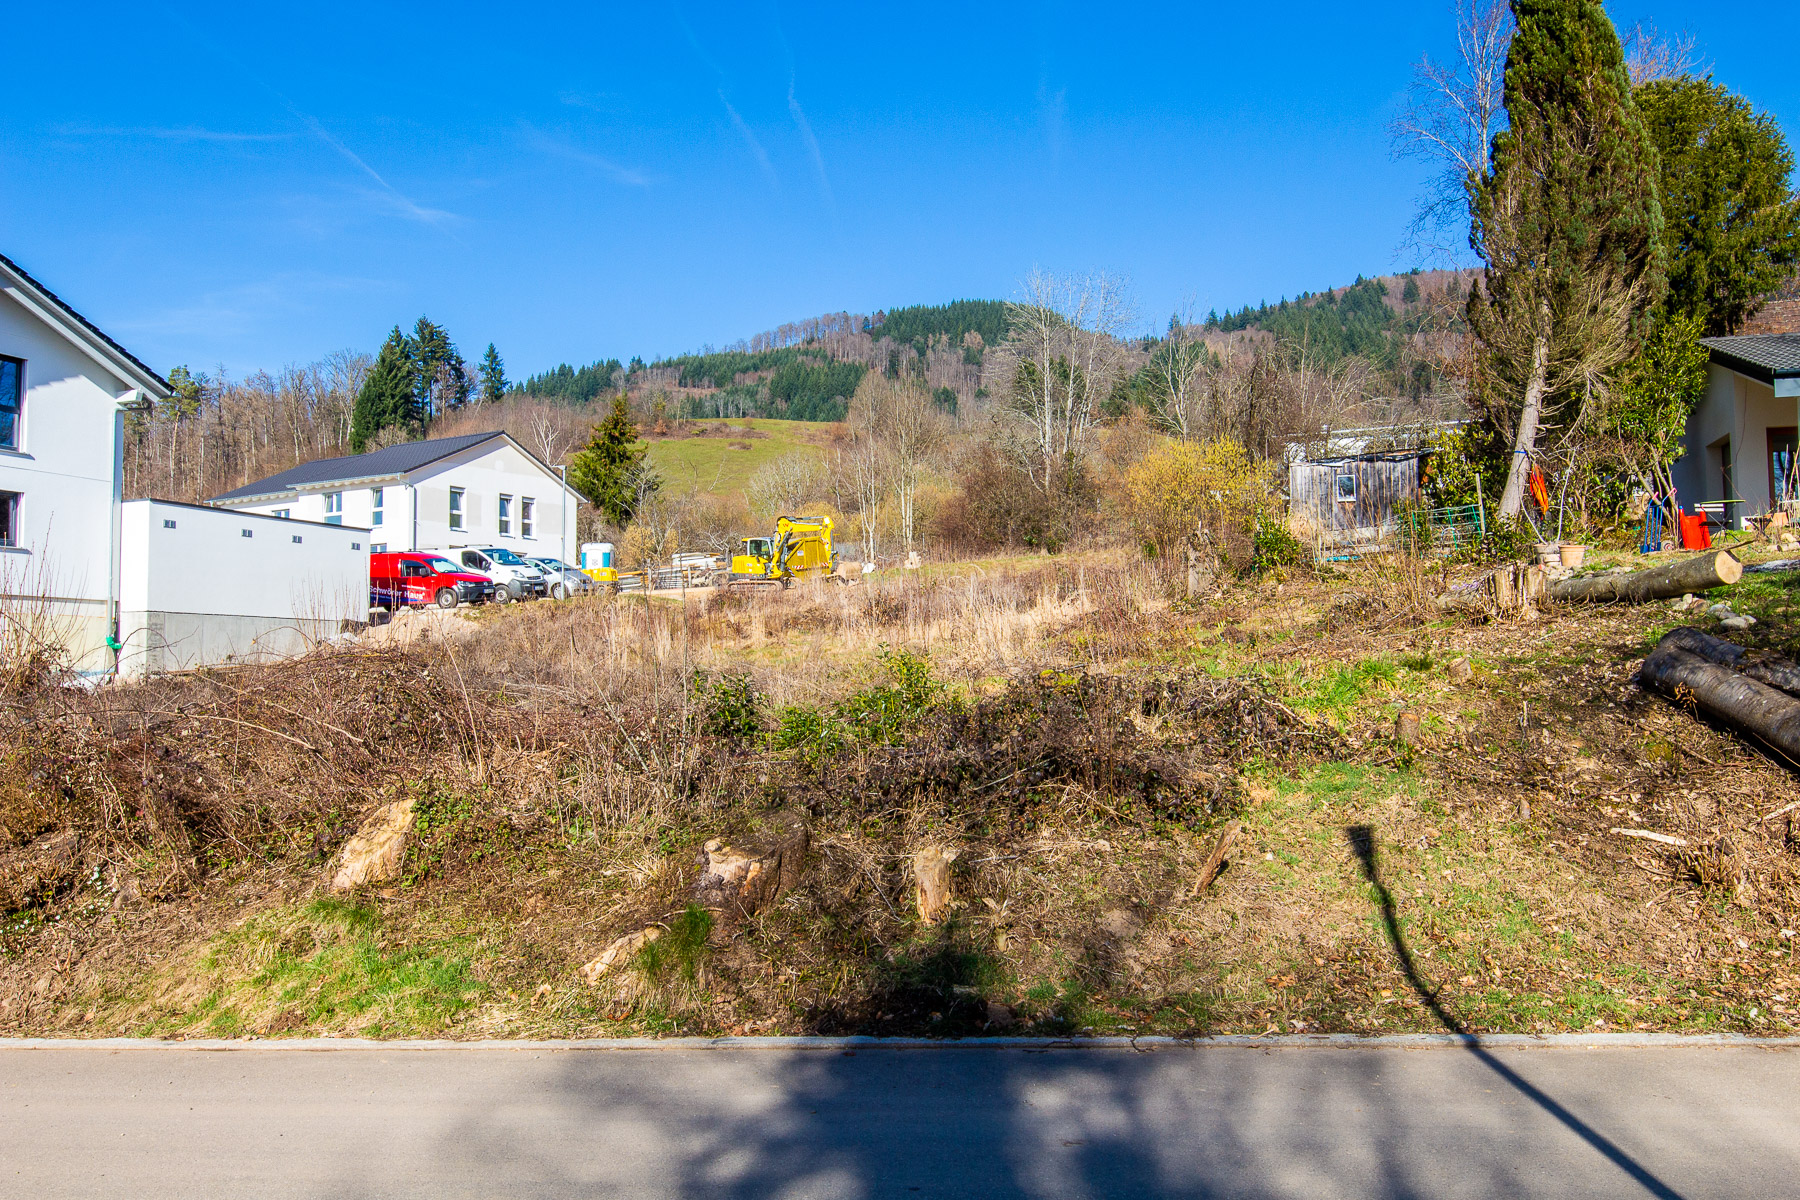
x: 481, y: 489
x: 1742, y: 437
x: 64, y: 390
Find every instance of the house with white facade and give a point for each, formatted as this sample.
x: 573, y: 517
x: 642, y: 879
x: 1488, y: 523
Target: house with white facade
x: 1742, y: 437
x: 480, y: 489
x: 65, y: 388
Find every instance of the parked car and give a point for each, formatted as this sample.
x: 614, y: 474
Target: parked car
x: 514, y: 578
x: 422, y: 577
x: 564, y: 580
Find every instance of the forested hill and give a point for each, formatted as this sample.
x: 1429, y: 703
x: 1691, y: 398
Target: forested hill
x: 1371, y: 318
x: 804, y: 370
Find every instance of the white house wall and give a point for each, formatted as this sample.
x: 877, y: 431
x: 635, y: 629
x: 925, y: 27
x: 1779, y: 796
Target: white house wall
x: 1737, y: 411
x: 67, y: 474
x: 484, y: 472
x: 197, y: 592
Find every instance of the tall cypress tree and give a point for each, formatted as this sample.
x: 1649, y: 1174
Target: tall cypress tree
x: 386, y: 399
x: 1569, y: 223
x: 608, y: 469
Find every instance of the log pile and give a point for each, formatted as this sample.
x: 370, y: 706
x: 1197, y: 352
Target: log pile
x: 1719, y: 679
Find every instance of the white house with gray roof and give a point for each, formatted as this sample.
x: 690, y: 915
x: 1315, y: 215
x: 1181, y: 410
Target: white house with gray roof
x: 1742, y: 438
x: 480, y: 489
x: 65, y: 388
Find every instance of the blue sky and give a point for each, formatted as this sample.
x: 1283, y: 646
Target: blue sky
x: 236, y: 185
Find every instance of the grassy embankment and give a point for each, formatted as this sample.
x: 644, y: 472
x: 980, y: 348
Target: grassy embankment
x: 1078, y: 737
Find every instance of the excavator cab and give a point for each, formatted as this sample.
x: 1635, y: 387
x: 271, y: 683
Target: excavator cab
x: 755, y: 559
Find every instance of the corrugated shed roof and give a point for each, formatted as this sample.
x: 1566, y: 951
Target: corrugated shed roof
x: 1760, y: 355
x: 377, y: 464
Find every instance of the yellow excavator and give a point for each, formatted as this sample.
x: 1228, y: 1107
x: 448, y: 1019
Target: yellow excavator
x: 800, y: 549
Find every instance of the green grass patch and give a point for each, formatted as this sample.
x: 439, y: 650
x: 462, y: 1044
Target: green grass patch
x: 724, y: 465
x: 326, y: 966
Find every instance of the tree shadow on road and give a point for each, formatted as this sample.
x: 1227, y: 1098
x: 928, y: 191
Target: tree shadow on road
x: 1362, y: 844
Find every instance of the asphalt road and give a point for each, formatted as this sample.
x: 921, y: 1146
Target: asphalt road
x: 1237, y: 1121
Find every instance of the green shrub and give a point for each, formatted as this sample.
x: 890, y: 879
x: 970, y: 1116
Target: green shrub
x: 729, y: 706
x: 680, y: 951
x: 1276, y: 545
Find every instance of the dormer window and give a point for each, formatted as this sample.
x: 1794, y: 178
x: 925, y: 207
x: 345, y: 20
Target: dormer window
x: 12, y: 400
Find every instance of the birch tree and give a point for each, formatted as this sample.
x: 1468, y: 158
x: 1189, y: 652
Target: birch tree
x: 1064, y: 351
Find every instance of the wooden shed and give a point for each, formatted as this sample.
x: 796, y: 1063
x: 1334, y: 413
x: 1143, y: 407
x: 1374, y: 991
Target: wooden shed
x: 1352, y: 502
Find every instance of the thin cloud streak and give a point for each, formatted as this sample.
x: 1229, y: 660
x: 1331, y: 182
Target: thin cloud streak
x: 401, y: 203
x: 619, y: 173
x: 812, y: 147
x: 170, y: 135
x: 756, y: 147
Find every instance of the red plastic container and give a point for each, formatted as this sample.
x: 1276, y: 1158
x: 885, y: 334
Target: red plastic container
x: 1694, y: 534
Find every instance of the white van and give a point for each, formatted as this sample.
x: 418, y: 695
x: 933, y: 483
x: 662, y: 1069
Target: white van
x: 514, y: 578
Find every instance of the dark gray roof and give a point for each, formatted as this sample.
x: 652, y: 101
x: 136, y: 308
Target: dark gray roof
x: 86, y: 324
x: 1764, y: 356
x: 377, y: 464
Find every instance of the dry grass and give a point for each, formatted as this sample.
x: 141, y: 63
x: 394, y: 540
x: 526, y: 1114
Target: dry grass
x: 1081, y: 739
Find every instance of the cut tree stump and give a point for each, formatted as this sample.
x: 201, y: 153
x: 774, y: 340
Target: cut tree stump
x: 931, y: 877
x: 1701, y: 573
x: 1768, y: 714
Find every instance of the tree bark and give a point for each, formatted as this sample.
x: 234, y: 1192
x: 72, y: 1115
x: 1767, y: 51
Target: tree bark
x: 1776, y: 672
x: 1698, y: 574
x: 1512, y: 497
x: 1743, y: 704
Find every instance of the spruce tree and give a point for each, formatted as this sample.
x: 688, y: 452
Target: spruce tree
x: 493, y: 376
x: 610, y: 468
x: 1568, y: 220
x: 386, y: 400
x: 1732, y: 231
x: 440, y: 381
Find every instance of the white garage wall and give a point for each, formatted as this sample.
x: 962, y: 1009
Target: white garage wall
x: 196, y: 591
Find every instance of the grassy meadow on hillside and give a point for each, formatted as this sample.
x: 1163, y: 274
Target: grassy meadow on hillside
x: 723, y: 464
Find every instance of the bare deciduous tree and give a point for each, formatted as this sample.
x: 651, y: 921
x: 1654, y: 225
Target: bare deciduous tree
x: 900, y: 418
x: 1452, y: 112
x: 1063, y: 354
x: 1650, y: 57
x: 781, y: 487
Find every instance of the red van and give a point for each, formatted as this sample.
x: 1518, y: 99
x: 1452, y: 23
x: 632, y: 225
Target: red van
x: 420, y: 577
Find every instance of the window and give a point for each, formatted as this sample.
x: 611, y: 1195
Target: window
x: 1784, y: 463
x: 1346, y: 486
x: 334, y: 508
x: 247, y: 533
x: 456, y: 497
x: 504, y: 517
x: 298, y: 539
x: 375, y: 499
x: 374, y: 547
x: 12, y: 397
x: 526, y: 505
x: 168, y: 524
x: 9, y: 518
x: 413, y: 570
x: 283, y: 513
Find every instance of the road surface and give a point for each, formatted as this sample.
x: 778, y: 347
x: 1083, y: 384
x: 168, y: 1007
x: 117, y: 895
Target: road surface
x: 1253, y: 1121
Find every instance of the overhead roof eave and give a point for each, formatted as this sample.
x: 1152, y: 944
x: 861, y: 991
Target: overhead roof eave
x: 80, y: 332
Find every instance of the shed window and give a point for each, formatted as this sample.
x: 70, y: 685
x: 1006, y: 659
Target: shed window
x: 1346, y: 485
x: 168, y: 524
x: 526, y: 516
x: 9, y: 518
x: 456, y: 508
x: 12, y: 397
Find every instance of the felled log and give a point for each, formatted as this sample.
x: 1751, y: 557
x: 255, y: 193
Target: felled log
x: 1776, y: 672
x: 1698, y: 574
x: 1732, y: 699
